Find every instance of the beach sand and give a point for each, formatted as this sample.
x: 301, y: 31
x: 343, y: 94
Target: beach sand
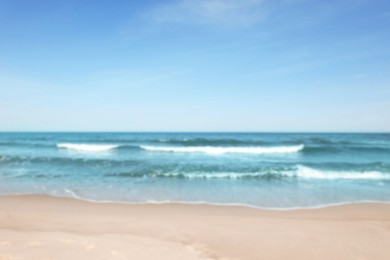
x: 42, y: 227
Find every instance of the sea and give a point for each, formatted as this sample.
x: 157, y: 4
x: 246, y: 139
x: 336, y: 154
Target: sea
x: 264, y: 170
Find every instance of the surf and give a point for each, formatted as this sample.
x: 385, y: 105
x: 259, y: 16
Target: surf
x: 87, y: 147
x: 215, y: 150
x: 298, y: 172
x: 310, y: 173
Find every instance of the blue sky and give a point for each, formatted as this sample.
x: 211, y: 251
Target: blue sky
x: 195, y: 65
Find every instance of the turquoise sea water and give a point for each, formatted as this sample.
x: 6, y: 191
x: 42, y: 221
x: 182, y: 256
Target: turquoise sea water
x: 271, y: 170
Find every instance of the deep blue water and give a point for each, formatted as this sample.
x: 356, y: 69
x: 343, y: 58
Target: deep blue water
x: 273, y: 170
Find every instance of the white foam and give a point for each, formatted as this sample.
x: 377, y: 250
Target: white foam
x: 87, y: 147
x: 213, y: 175
x: 299, y: 172
x: 72, y: 193
x: 310, y: 173
x: 223, y: 150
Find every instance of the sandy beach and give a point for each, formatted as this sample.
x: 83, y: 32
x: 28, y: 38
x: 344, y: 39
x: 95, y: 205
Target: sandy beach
x: 42, y: 227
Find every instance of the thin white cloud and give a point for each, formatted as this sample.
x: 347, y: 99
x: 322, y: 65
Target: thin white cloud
x: 209, y: 12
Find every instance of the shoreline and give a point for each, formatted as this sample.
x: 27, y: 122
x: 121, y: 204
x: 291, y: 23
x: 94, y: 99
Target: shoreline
x: 198, y: 203
x: 41, y: 226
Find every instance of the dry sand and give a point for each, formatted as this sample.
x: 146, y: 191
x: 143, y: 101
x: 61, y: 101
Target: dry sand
x: 42, y: 227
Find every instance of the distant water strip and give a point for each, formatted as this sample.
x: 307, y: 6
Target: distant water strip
x: 223, y: 150
x: 87, y: 147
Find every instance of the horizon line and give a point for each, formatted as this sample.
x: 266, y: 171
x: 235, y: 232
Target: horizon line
x: 206, y: 132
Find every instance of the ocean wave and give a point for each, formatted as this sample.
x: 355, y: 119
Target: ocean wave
x: 300, y: 172
x: 326, y: 141
x: 343, y: 149
x: 25, y: 144
x: 210, y: 142
x: 87, y: 147
x: 310, y: 173
x: 69, y: 161
x: 199, y: 175
x: 223, y: 150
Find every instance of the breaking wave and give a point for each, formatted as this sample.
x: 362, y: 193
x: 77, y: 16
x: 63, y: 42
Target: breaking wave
x: 87, y: 147
x: 301, y: 172
x: 223, y: 150
x: 310, y: 173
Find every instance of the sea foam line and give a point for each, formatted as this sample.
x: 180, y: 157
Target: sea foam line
x: 223, y: 150
x: 205, y: 203
x: 87, y: 147
x: 300, y: 172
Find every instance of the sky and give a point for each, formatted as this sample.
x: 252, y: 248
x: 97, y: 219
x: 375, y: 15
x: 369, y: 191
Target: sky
x: 195, y: 65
